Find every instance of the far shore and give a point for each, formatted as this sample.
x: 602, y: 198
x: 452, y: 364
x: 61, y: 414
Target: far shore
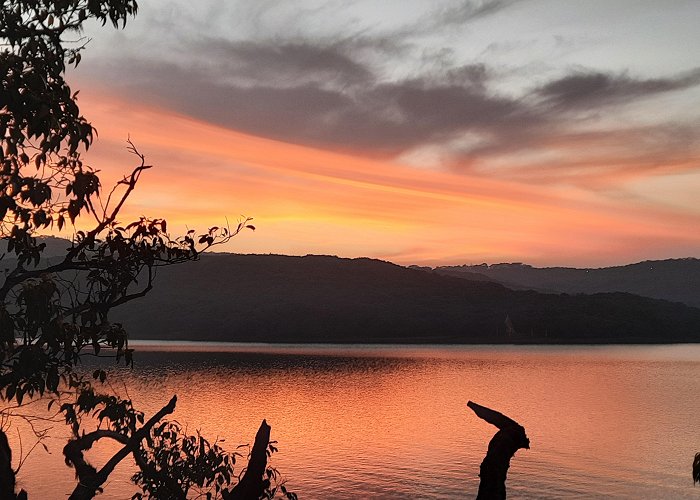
x: 681, y: 352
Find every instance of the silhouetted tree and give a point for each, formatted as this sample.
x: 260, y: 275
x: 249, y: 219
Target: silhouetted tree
x: 52, y: 312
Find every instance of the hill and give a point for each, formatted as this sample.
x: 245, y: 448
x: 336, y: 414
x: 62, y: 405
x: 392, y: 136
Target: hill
x: 55, y: 247
x: 273, y: 298
x: 676, y: 280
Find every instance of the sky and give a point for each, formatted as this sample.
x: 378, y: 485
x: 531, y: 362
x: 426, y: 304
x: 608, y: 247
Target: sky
x: 435, y: 133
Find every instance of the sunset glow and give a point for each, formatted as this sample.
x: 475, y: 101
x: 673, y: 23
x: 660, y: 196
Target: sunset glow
x: 349, y: 249
x: 307, y: 200
x: 596, y: 163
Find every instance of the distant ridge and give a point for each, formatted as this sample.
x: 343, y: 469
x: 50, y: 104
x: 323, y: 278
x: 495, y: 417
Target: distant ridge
x: 54, y: 246
x: 275, y: 298
x: 676, y: 280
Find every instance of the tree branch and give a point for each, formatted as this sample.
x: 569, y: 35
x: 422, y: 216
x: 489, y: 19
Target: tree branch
x: 88, y: 489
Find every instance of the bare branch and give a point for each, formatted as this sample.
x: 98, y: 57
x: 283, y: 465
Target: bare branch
x: 91, y: 482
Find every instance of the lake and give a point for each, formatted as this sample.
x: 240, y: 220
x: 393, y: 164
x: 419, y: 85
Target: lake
x: 392, y: 421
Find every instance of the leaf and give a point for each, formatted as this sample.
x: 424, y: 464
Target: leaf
x: 251, y: 227
x: 52, y: 379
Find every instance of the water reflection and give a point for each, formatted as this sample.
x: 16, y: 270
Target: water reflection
x: 363, y: 423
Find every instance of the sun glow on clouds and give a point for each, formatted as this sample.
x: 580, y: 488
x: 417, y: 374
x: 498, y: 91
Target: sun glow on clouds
x: 306, y: 200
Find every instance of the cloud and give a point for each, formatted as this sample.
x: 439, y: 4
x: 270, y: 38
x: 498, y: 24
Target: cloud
x: 471, y: 75
x: 369, y: 117
x: 323, y: 96
x: 486, y: 126
x: 383, y: 92
x: 450, y: 15
x: 470, y: 10
x: 286, y: 63
x: 588, y: 88
x: 595, y: 158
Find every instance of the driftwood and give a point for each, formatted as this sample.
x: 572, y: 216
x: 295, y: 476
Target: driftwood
x: 510, y: 438
x: 253, y: 483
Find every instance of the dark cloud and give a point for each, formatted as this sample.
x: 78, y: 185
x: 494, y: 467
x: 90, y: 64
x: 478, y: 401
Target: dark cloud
x: 286, y: 62
x: 586, y: 89
x: 381, y: 119
x: 472, y: 75
x: 329, y: 94
x: 443, y: 108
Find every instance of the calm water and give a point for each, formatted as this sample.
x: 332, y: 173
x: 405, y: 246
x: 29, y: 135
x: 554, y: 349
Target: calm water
x: 392, y: 422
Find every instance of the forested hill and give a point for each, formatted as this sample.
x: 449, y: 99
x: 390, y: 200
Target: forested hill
x: 673, y: 279
x: 272, y: 298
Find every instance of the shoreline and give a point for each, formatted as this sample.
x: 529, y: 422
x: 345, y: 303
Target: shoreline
x: 674, y: 351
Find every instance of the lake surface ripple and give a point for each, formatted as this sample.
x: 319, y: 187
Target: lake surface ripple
x: 392, y: 421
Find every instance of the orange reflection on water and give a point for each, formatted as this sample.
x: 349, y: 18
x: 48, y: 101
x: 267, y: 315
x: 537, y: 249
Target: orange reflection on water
x: 393, y: 423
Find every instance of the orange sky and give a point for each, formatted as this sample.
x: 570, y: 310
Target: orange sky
x: 307, y: 200
x: 446, y: 132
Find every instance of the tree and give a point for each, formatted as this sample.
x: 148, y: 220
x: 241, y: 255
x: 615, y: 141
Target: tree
x: 52, y: 313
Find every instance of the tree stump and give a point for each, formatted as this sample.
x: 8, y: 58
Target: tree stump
x: 510, y: 438
x: 253, y: 483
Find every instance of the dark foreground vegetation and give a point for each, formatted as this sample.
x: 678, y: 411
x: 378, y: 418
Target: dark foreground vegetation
x: 53, y: 312
x: 272, y: 298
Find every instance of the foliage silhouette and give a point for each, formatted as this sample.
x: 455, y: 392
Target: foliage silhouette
x: 54, y: 312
